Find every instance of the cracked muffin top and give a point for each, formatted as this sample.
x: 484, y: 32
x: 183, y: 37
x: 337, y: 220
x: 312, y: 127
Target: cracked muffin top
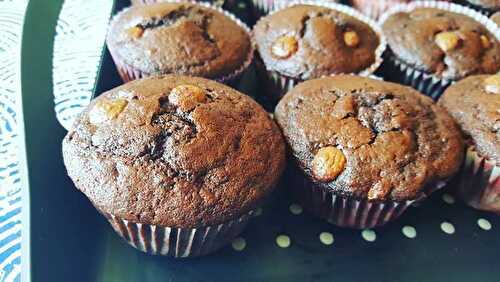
x: 305, y: 41
x: 367, y: 138
x: 180, y: 38
x: 174, y: 151
x: 474, y: 102
x: 447, y: 44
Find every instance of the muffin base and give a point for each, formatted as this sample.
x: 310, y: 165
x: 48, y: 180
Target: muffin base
x: 397, y: 71
x: 479, y: 182
x: 345, y: 211
x: 178, y: 242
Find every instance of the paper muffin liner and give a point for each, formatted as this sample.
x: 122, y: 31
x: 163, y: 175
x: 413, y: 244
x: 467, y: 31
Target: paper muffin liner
x: 479, y: 182
x: 345, y: 211
x: 147, y: 2
x: 427, y: 83
x: 178, y: 242
x: 482, y: 10
x: 128, y: 72
x: 279, y: 84
x: 374, y: 9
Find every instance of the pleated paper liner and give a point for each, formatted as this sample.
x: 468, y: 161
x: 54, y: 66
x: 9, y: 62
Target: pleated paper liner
x: 128, y: 72
x: 178, y: 242
x: 482, y: 10
x: 278, y: 84
x: 217, y: 3
x: 345, y: 211
x: 429, y: 84
x: 479, y: 182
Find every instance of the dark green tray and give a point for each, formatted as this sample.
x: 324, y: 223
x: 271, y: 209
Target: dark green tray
x: 67, y: 240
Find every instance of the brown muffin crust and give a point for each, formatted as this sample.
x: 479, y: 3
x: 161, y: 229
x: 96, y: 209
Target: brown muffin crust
x: 412, y: 38
x: 477, y: 112
x: 321, y: 48
x: 172, y: 159
x: 180, y: 38
x: 395, y: 140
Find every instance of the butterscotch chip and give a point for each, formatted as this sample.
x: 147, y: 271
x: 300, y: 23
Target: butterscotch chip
x: 105, y: 110
x: 187, y: 96
x: 328, y: 163
x: 351, y: 38
x: 492, y: 84
x: 135, y: 32
x: 285, y: 46
x: 447, y: 40
x: 485, y: 41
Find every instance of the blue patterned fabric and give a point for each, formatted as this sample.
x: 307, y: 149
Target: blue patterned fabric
x: 11, y: 19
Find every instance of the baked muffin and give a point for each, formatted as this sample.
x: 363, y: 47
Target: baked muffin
x: 303, y: 42
x: 365, y: 149
x: 430, y: 48
x: 496, y: 18
x: 179, y: 38
x: 487, y: 7
x: 175, y: 159
x: 474, y: 102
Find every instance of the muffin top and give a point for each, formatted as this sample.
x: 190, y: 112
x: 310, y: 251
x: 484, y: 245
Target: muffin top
x: 180, y: 38
x: 305, y: 41
x: 488, y: 4
x: 447, y: 44
x: 496, y: 18
x: 367, y: 138
x: 474, y: 102
x: 174, y: 151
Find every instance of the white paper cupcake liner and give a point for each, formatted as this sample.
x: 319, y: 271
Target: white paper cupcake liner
x: 178, y: 242
x: 427, y: 83
x: 128, y: 72
x: 479, y: 182
x: 263, y: 7
x: 147, y: 2
x: 480, y: 9
x: 280, y: 84
x: 348, y: 211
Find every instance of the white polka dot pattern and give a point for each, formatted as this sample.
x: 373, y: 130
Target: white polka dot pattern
x: 447, y: 228
x: 409, y: 231
x: 283, y: 241
x: 369, y: 235
x: 326, y: 238
x: 484, y: 224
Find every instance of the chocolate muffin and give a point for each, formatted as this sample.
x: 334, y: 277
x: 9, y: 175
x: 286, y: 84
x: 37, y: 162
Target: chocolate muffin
x: 430, y: 48
x: 474, y: 102
x: 365, y: 149
x: 484, y: 6
x: 179, y: 38
x: 175, y: 156
x: 303, y: 42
